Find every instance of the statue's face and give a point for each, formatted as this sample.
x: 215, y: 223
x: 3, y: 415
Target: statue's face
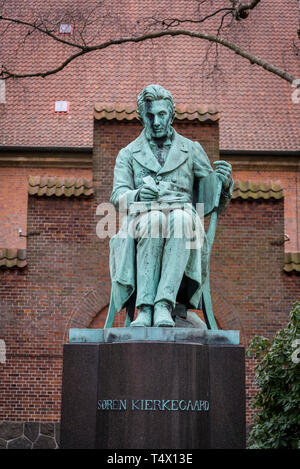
x: 157, y: 118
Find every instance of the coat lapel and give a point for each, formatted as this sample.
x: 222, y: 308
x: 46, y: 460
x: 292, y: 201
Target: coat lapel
x: 142, y: 153
x: 177, y: 155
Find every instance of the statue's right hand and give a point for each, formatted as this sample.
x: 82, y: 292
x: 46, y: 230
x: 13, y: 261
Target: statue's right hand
x: 148, y: 192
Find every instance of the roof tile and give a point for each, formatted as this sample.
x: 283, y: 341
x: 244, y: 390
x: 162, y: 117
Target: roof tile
x: 120, y: 111
x: 292, y: 262
x: 10, y: 258
x: 257, y: 109
x: 257, y: 190
x: 60, y: 186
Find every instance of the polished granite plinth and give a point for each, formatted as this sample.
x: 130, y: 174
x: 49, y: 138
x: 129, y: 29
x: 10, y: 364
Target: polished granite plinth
x: 152, y: 389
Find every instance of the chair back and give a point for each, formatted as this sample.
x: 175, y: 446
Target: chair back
x: 208, y: 192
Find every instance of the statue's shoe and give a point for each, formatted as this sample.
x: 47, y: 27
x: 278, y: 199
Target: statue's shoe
x: 144, y: 317
x: 162, y: 315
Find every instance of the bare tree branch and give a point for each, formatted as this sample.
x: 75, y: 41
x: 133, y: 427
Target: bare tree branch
x: 37, y: 26
x: 169, y: 22
x: 236, y: 11
x: 5, y: 73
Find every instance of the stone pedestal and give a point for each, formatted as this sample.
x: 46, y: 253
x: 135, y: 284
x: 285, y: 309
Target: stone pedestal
x: 153, y: 395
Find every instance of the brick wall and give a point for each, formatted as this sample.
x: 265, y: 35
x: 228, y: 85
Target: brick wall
x: 62, y: 282
x: 66, y: 283
x: 290, y: 181
x: 247, y: 268
x: 13, y: 200
x: 250, y: 290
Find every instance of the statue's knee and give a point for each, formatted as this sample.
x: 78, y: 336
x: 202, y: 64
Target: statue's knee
x: 151, y: 224
x: 157, y: 223
x: 181, y: 223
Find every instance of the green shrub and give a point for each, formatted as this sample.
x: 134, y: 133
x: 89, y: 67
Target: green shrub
x: 277, y: 419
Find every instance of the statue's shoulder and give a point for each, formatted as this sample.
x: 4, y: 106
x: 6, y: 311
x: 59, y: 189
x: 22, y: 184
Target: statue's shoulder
x: 195, y: 150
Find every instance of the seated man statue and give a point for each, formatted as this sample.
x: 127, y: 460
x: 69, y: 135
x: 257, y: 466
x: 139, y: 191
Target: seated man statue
x: 154, y: 178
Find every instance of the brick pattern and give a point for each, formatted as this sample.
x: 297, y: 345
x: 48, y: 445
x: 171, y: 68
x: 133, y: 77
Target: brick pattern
x: 245, y: 235
x: 61, y: 288
x: 14, y: 197
x: 250, y: 290
x: 290, y: 182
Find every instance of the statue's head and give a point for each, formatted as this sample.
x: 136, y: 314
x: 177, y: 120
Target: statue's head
x: 156, y: 110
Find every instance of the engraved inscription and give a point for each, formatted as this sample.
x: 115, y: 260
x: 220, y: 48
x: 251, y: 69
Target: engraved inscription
x: 153, y: 405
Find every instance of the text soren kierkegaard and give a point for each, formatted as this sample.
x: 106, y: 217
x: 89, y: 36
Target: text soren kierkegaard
x: 153, y: 404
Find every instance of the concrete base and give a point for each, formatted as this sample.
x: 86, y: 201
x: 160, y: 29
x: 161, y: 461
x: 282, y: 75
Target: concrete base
x: 153, y: 395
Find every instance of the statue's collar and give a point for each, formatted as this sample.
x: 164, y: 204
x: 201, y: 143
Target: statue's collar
x: 142, y: 152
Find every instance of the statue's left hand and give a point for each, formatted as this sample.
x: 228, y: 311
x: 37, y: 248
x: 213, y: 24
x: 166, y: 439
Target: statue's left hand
x: 223, y: 171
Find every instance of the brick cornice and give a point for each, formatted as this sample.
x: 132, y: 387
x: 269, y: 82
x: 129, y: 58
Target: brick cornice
x: 244, y: 160
x: 46, y: 157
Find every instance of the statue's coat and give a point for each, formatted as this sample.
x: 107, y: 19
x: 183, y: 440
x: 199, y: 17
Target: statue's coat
x: 186, y: 163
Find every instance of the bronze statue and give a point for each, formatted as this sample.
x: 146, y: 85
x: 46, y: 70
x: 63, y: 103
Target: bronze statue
x: 155, y: 179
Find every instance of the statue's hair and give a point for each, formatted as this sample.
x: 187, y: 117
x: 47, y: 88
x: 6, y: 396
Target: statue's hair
x: 154, y: 93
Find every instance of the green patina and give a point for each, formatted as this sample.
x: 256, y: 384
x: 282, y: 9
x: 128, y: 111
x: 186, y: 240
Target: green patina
x: 160, y: 256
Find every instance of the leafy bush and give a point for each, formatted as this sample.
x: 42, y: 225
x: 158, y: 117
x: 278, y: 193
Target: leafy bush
x: 277, y: 403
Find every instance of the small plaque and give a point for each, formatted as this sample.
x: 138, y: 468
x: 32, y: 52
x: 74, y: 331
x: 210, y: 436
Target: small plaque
x: 61, y: 107
x: 65, y: 28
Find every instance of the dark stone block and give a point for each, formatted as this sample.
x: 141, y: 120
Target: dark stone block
x: 11, y: 430
x: 153, y: 372
x: 44, y: 442
x: 31, y: 430
x: 227, y: 389
x: 47, y: 429
x: 19, y: 443
x: 79, y: 396
x: 57, y: 433
x: 160, y: 371
x: 3, y: 443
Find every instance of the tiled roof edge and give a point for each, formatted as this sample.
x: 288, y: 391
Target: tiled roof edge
x: 291, y: 262
x: 12, y: 258
x: 60, y: 186
x: 120, y: 111
x: 257, y: 190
